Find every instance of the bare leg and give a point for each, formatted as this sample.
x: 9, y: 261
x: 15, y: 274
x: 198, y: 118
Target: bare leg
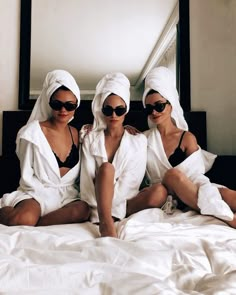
x: 26, y: 212
x: 229, y: 196
x: 77, y: 211
x: 181, y: 186
x: 150, y: 197
x: 104, y: 188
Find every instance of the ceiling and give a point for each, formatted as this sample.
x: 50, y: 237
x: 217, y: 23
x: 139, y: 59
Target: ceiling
x: 90, y: 38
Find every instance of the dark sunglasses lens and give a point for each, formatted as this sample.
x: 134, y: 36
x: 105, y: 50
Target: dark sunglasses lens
x: 149, y: 109
x: 57, y: 105
x: 70, y: 106
x: 159, y: 107
x: 107, y: 111
x: 120, y: 111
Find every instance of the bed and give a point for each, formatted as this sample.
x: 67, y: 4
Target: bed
x: 183, y: 253
x: 156, y: 253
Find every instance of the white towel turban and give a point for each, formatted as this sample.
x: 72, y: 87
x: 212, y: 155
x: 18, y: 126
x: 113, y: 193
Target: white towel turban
x: 162, y: 80
x: 55, y: 79
x: 116, y: 83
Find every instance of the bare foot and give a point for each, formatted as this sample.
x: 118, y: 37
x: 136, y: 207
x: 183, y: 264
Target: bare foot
x: 107, y: 229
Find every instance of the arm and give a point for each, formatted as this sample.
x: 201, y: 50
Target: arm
x: 190, y: 143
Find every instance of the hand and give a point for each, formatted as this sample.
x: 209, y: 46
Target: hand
x: 87, y: 128
x: 132, y: 130
x: 84, y: 131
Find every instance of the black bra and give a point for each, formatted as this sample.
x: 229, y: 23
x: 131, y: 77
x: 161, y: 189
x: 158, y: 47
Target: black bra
x: 179, y: 155
x: 72, y: 159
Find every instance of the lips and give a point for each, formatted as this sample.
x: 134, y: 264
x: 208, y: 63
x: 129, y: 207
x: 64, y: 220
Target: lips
x: 156, y: 117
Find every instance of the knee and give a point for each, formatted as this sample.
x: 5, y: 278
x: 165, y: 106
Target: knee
x: 81, y: 212
x: 158, y: 195
x: 23, y: 217
x: 106, y: 168
x: 173, y: 175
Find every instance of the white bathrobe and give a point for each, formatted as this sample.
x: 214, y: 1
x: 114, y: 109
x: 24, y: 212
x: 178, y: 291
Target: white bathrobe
x: 129, y: 163
x: 40, y: 174
x: 194, y: 167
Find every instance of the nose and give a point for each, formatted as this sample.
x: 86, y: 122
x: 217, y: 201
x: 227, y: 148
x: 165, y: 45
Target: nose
x: 113, y: 114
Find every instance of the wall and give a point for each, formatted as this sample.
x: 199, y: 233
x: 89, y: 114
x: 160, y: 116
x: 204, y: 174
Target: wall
x: 213, y: 65
x: 9, y: 52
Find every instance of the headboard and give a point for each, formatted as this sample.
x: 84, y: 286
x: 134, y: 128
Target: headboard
x: 14, y: 120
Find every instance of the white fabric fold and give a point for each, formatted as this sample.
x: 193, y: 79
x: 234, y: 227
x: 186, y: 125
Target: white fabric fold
x: 162, y: 80
x: 116, y: 83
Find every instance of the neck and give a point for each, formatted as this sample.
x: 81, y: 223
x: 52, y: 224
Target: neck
x: 115, y: 132
x: 166, y: 128
x: 57, y: 125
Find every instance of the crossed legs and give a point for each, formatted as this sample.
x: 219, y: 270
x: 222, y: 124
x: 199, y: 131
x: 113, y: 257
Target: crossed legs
x: 187, y: 191
x: 181, y: 186
x: 28, y: 212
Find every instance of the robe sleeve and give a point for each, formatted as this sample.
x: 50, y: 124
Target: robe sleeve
x: 128, y: 183
x: 28, y: 181
x: 87, y: 174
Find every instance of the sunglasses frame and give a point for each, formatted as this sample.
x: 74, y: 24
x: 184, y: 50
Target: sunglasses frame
x: 57, y: 105
x: 158, y: 107
x: 108, y: 110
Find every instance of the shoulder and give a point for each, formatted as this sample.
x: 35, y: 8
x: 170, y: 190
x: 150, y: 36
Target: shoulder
x: 29, y: 129
x: 136, y: 140
x: 148, y: 133
x: 92, y: 136
x: 75, y: 134
x: 189, y: 138
x: 189, y: 143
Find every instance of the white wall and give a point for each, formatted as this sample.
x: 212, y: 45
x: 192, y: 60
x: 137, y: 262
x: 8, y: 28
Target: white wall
x: 213, y: 66
x: 9, y: 52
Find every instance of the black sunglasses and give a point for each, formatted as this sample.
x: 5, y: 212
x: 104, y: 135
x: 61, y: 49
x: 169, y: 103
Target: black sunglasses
x: 108, y: 110
x: 57, y: 105
x: 158, y: 107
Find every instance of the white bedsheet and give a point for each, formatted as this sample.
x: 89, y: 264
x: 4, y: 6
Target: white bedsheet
x: 183, y: 253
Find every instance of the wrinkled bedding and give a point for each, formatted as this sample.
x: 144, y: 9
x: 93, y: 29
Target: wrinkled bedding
x: 183, y: 253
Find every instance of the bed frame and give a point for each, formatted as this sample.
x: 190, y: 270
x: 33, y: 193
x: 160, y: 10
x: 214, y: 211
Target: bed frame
x: 14, y: 120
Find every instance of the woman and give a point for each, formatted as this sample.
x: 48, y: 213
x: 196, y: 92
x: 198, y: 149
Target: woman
x: 113, y: 160
x: 174, y: 157
x: 48, y: 150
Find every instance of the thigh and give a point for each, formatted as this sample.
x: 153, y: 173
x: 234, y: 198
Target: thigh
x: 149, y: 197
x: 29, y: 205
